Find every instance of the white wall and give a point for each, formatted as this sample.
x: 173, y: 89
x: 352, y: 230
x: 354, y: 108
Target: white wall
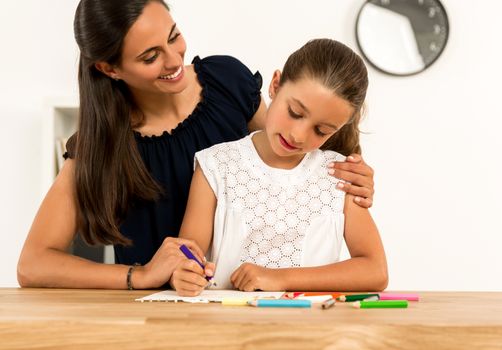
x: 433, y: 138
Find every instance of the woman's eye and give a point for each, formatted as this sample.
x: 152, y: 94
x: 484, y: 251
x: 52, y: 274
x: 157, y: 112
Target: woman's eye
x: 293, y: 114
x: 151, y: 59
x: 173, y: 39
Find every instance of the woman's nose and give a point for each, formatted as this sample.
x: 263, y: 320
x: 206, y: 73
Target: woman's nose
x: 172, y: 58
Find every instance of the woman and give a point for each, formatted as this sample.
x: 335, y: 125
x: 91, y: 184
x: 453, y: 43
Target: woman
x: 143, y: 115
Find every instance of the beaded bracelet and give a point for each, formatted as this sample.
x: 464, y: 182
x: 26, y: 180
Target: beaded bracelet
x: 129, y: 275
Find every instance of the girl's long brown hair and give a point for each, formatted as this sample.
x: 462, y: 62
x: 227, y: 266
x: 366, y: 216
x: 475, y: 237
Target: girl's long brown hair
x: 340, y: 69
x: 109, y: 171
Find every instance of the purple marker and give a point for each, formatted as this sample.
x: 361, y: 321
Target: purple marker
x: 190, y: 255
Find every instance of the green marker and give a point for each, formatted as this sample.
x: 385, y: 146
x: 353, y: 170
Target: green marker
x: 357, y: 297
x: 381, y: 304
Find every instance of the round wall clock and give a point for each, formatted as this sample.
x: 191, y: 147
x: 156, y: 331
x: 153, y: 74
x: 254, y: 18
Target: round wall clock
x: 402, y: 37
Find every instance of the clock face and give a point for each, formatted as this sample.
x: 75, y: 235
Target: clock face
x: 402, y: 37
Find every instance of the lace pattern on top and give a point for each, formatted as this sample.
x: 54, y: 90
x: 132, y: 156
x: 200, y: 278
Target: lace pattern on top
x: 277, y: 205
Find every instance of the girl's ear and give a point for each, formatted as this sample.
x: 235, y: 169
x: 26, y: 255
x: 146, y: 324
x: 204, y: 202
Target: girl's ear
x: 107, y: 69
x: 274, y: 84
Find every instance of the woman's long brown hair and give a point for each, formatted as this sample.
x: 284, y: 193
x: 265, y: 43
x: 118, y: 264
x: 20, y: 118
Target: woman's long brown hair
x: 109, y: 171
x: 339, y: 69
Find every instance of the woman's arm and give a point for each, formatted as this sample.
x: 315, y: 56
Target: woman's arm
x: 359, y: 179
x: 366, y: 270
x: 45, y: 262
x: 189, y: 278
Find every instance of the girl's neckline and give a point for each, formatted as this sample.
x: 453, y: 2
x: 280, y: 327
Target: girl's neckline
x: 292, y: 171
x: 196, y: 62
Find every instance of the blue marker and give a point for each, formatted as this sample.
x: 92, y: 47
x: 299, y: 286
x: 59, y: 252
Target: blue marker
x: 190, y: 256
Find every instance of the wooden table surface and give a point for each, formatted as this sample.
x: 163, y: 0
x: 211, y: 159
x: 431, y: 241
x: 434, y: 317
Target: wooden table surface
x: 104, y: 319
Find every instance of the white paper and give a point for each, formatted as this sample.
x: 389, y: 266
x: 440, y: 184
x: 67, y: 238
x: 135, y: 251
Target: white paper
x: 209, y: 296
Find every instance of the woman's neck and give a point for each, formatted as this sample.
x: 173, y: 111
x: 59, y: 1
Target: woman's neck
x: 269, y: 157
x: 163, y: 112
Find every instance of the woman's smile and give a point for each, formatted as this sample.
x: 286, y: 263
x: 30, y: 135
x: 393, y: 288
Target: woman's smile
x: 174, y: 77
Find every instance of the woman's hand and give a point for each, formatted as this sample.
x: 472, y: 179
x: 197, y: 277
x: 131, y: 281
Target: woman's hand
x: 189, y: 279
x: 359, y: 179
x: 167, y: 258
x: 250, y: 277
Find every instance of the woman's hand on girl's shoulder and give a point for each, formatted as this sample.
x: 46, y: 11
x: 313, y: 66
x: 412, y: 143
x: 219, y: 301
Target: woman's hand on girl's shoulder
x: 358, y: 177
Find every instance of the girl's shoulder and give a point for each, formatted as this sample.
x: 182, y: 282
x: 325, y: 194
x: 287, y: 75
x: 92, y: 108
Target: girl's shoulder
x: 329, y: 156
x: 231, y: 149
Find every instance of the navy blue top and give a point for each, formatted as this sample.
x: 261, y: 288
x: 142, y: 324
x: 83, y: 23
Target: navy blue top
x: 230, y: 98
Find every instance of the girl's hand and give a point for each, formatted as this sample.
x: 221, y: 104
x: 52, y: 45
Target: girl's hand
x: 359, y: 177
x: 167, y: 258
x: 189, y: 279
x: 250, y: 277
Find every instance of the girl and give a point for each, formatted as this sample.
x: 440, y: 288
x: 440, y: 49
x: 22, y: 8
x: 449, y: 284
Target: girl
x: 263, y: 206
x: 143, y: 115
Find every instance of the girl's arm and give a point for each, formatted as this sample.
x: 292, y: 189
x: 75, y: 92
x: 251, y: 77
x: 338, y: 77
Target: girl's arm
x: 45, y: 262
x: 366, y: 270
x: 189, y: 278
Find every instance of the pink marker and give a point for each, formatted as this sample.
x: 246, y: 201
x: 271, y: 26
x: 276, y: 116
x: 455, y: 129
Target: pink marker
x: 398, y: 296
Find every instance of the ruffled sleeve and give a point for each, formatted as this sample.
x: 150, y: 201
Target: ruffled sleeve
x: 233, y: 80
x: 208, y: 164
x: 71, y: 145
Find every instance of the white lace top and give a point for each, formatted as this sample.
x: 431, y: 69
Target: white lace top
x: 268, y: 216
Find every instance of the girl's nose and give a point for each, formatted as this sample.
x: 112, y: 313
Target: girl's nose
x: 299, y: 135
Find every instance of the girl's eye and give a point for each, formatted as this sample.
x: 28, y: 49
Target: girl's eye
x: 173, y: 39
x: 151, y: 59
x: 319, y: 132
x: 293, y: 114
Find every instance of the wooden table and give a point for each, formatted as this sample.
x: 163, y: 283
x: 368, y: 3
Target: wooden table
x: 101, y: 319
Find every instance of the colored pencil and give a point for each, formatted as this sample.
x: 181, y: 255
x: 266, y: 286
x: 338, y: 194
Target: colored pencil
x: 293, y: 295
x: 399, y: 296
x: 385, y: 304
x: 328, y: 303
x: 185, y: 250
x: 234, y: 302
x: 357, y: 297
x: 280, y: 303
x: 315, y: 298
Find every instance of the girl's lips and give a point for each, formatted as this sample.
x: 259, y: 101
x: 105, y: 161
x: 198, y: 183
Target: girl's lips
x: 286, y: 145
